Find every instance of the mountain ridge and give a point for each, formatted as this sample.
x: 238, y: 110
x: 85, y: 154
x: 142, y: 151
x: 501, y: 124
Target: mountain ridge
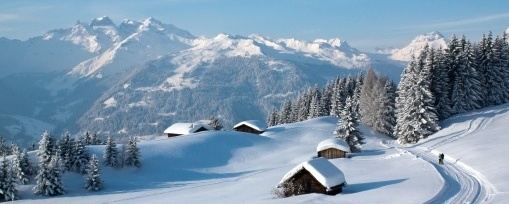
x: 138, y: 77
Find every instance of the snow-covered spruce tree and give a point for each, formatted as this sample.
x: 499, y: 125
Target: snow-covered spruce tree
x: 326, y: 100
x: 416, y: 113
x: 81, y: 157
x: 48, y: 179
x: 497, y: 92
x: 26, y: 165
x: 46, y: 148
x: 304, y: 106
x: 19, y: 170
x: 132, y: 153
x: 110, y: 153
x: 69, y: 157
x: 466, y: 87
x: 347, y: 127
x: 66, y: 149
x: 87, y: 138
x: 215, y: 124
x: 95, y: 139
x: 285, y: 113
x: 386, y: 113
x: 8, y: 191
x: 93, y: 181
x: 338, y: 99
x: 440, y: 79
x: 483, y: 61
x: 3, y: 148
x: 314, y: 106
x: 273, y: 118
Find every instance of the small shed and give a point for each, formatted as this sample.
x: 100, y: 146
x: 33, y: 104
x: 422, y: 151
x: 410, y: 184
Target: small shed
x: 314, y: 176
x: 332, y: 148
x: 251, y: 126
x: 185, y: 128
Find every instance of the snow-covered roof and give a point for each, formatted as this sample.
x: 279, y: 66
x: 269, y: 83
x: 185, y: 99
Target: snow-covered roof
x: 322, y: 169
x: 255, y: 124
x: 185, y: 128
x: 333, y: 143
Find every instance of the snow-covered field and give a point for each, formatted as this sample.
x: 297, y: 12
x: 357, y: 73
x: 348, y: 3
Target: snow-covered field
x: 232, y: 167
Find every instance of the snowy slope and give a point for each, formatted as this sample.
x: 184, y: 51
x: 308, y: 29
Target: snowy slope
x: 433, y: 40
x: 231, y: 167
x: 218, y: 167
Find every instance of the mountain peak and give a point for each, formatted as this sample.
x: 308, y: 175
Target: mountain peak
x: 152, y: 21
x: 433, y: 40
x: 102, y: 21
x: 433, y: 36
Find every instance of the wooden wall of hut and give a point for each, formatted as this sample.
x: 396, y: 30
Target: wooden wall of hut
x: 173, y: 135
x: 332, y: 153
x: 245, y: 128
x: 308, y: 183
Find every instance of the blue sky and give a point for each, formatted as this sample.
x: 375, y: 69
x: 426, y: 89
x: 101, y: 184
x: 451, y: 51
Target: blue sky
x: 365, y: 24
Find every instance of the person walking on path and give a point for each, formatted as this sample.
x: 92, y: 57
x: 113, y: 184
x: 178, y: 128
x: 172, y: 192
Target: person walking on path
x: 441, y: 158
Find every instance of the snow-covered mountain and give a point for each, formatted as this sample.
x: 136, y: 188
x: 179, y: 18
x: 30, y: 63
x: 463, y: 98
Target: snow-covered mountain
x: 138, y: 77
x: 433, y: 40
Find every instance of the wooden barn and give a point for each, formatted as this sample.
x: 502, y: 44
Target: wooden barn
x: 185, y: 128
x: 251, y: 126
x: 313, y: 176
x: 332, y: 148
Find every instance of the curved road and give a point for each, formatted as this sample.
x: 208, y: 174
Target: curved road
x: 462, y: 184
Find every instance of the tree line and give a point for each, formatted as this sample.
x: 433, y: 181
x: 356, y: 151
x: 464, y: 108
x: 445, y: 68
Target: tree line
x: 436, y: 84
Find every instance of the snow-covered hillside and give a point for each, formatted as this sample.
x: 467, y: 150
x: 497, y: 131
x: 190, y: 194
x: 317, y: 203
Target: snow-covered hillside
x: 231, y: 167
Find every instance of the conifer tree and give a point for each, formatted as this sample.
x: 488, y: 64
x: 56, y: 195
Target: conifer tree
x: 8, y: 191
x: 81, y: 157
x: 347, y: 127
x: 286, y: 113
x: 385, y: 114
x: 95, y: 139
x: 19, y: 170
x: 87, y: 138
x: 416, y: 113
x: 132, y: 154
x: 440, y: 79
x: 48, y: 179
x: 93, y: 181
x: 66, y: 148
x: 273, y: 118
x: 3, y: 148
x: 110, y: 153
x: 304, y: 106
x: 314, y: 107
x: 46, y: 148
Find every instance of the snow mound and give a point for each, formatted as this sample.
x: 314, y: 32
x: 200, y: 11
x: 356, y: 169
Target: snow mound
x: 333, y: 143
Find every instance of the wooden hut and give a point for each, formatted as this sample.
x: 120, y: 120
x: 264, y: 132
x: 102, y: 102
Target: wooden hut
x: 313, y: 176
x: 185, y: 128
x: 332, y: 148
x: 251, y: 126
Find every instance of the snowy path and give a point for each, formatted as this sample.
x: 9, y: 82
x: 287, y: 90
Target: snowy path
x: 463, y: 184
